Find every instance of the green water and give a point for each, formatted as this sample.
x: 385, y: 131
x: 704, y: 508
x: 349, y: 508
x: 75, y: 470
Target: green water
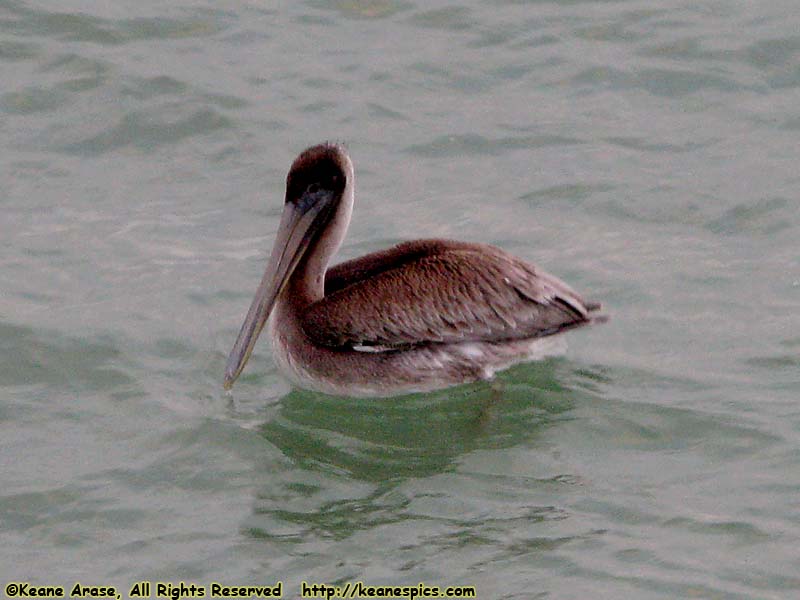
x: 647, y: 153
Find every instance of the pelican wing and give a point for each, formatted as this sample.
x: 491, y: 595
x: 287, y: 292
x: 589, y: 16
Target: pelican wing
x: 370, y: 265
x: 433, y: 291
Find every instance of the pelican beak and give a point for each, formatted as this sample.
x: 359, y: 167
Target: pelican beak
x: 300, y: 224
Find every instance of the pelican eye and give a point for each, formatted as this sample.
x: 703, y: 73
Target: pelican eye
x: 313, y: 188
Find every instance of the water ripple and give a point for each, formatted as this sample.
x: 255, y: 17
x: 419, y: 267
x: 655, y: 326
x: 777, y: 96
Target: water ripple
x: 472, y: 144
x: 81, y: 27
x: 147, y: 129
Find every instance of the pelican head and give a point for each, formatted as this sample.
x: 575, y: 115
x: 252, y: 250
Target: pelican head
x: 316, y: 213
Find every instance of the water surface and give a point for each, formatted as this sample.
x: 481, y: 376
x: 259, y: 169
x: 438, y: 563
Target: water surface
x: 646, y: 153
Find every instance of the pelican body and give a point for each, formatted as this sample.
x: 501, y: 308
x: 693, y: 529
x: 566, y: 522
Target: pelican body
x: 419, y: 316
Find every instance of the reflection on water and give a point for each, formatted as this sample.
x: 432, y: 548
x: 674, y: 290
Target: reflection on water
x: 418, y: 435
x: 364, y: 464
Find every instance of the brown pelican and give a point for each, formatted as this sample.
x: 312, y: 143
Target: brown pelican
x: 422, y: 315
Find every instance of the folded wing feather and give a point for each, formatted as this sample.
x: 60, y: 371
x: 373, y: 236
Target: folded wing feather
x: 431, y: 291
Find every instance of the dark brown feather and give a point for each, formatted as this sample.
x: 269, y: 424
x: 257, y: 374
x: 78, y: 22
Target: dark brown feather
x: 440, y: 291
